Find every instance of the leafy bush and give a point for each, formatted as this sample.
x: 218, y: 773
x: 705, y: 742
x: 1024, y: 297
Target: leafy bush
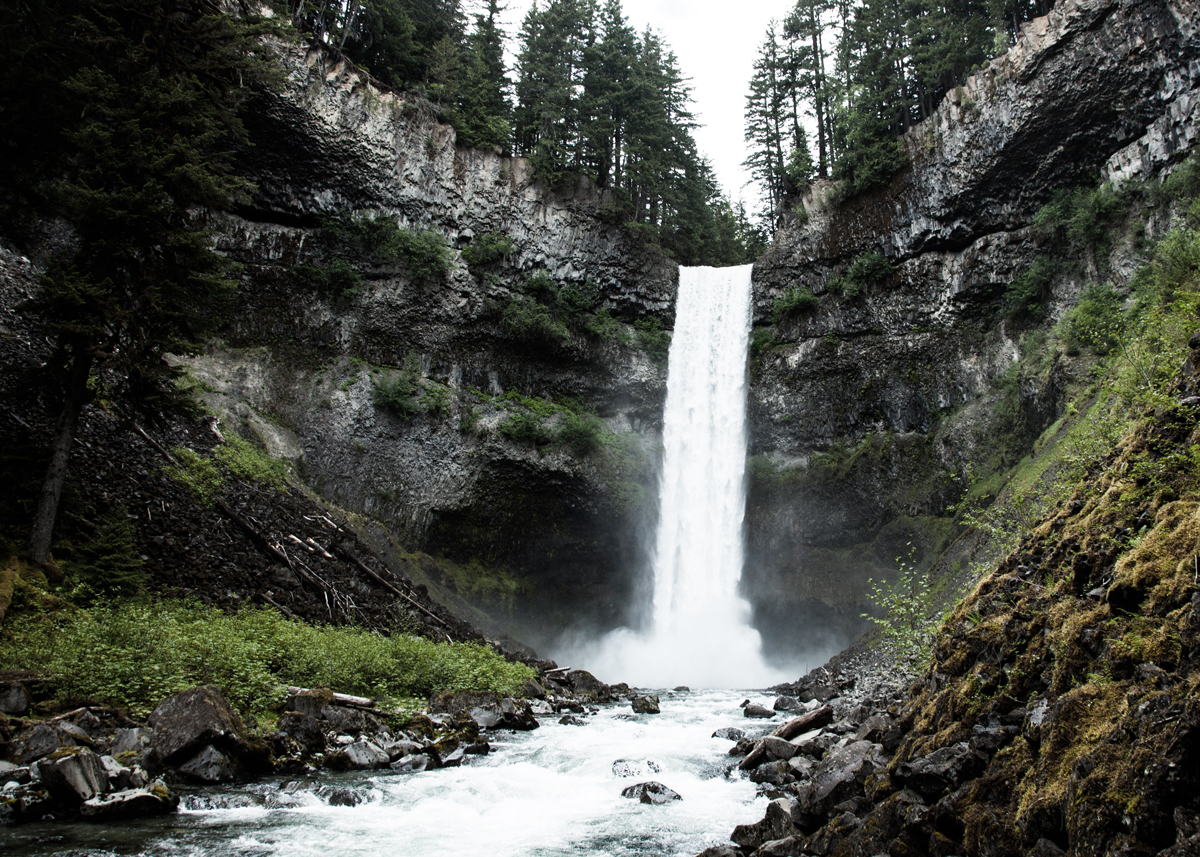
x: 532, y: 323
x: 1096, y: 320
x: 250, y: 463
x: 867, y: 269
x: 436, y: 399
x: 198, y: 474
x: 1025, y: 295
x: 424, y: 253
x: 651, y: 337
x: 794, y: 301
x: 578, y: 298
x: 580, y: 432
x: 526, y: 426
x: 136, y: 655
x: 338, y: 280
x: 397, y: 392
x: 486, y: 250
x: 906, y: 605
x: 602, y: 325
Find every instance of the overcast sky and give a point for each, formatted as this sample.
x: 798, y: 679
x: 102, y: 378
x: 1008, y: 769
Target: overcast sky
x: 715, y: 41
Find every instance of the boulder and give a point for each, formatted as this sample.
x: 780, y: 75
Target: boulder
x: 583, y: 682
x: 787, y: 703
x: 652, y: 793
x: 305, y: 729
x: 570, y: 720
x: 412, y: 764
x: 121, y: 778
x: 645, y: 704
x: 486, y: 718
x: 943, y: 769
x: 210, y: 766
x: 401, y: 748
x: 347, y: 721
x: 769, y: 749
x: 73, y: 775
x: 14, y: 698
x: 789, y: 846
x: 873, y: 728
x: 189, y: 721
x: 757, y: 711
x: 775, y: 824
x: 130, y: 803
x: 815, y: 719
x: 516, y: 715
x: 359, y: 756
x: 312, y: 702
x: 635, y: 767
x: 479, y: 748
x: 135, y: 748
x: 720, y: 851
x: 844, y: 770
x: 37, y: 741
x: 533, y: 690
x: 10, y: 773
x: 729, y: 733
x: 773, y: 774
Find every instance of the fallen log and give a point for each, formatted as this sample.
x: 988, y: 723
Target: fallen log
x: 339, y: 698
x: 814, y: 719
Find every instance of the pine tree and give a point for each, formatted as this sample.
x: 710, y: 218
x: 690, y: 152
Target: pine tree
x: 137, y: 113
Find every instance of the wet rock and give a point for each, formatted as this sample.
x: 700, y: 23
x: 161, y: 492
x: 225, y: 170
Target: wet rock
x: 570, y: 720
x: 359, y: 756
x: 776, y: 823
x: 789, y: 846
x: 873, y: 728
x: 729, y: 733
x: 584, y: 683
x: 769, y: 749
x: 72, y: 775
x: 989, y: 739
x: 756, y: 710
x: 1039, y: 713
x: 815, y: 719
x: 412, y: 764
x: 652, y: 793
x: 1046, y: 848
x: 14, y: 698
x: 312, y: 702
x: 682, y: 688
x: 398, y: 749
x: 121, y: 778
x: 305, y: 729
x: 11, y: 773
x: 37, y: 741
x: 343, y: 796
x: 347, y: 721
x: 943, y: 769
x: 635, y: 767
x: 720, y: 851
x: 200, y: 717
x: 831, y: 835
x: 645, y: 704
x: 479, y: 748
x: 533, y: 690
x: 844, y: 770
x: 211, y: 766
x: 156, y: 799
x: 787, y: 703
x: 773, y: 774
x: 516, y: 715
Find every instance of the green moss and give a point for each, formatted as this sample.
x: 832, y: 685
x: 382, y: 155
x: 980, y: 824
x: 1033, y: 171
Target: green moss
x: 250, y: 463
x: 198, y: 474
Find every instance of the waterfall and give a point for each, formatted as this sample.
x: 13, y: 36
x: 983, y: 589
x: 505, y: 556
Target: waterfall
x: 700, y: 633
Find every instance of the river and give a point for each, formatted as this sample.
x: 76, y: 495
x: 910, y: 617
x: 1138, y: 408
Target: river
x: 543, y: 793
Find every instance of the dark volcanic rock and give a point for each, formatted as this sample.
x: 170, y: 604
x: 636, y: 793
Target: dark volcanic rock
x: 651, y: 792
x: 645, y: 704
x: 211, y: 766
x: 758, y: 711
x: 131, y: 803
x: 930, y: 776
x: 729, y: 733
x: 188, y: 721
x: 73, y: 775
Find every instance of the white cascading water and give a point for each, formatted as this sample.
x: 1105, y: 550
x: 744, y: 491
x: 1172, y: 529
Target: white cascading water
x: 700, y: 634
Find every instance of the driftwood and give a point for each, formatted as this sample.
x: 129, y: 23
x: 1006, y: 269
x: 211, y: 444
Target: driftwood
x: 339, y: 698
x: 814, y: 719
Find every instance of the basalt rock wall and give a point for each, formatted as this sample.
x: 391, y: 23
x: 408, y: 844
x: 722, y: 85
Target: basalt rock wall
x: 868, y: 411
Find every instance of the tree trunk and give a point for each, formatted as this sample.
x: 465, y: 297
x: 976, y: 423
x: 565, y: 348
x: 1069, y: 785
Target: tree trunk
x: 60, y: 456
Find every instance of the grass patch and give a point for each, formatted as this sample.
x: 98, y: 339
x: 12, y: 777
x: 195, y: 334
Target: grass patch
x: 136, y: 655
x: 248, y: 462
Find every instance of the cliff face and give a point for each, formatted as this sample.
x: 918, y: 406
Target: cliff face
x: 869, y: 411
x: 553, y: 527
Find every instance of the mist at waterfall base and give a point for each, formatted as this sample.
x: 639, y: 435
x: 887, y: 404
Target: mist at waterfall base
x: 699, y: 632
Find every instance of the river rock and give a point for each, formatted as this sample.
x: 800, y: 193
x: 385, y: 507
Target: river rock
x: 775, y: 824
x: 651, y: 792
x: 412, y: 764
x: 586, y: 684
x: 14, y: 698
x: 635, y: 767
x: 844, y: 769
x: 211, y: 766
x: 360, y: 756
x: 729, y: 733
x: 570, y: 720
x: 943, y: 769
x: 399, y: 749
x: 156, y: 799
x: 312, y: 702
x: 73, y: 775
x: 11, y: 773
x: 121, y: 778
x: 758, y: 711
x: 646, y: 704
x: 37, y: 741
x: 517, y: 715
x: 305, y: 729
x: 187, y: 722
x: 787, y: 703
x: 720, y: 851
x: 873, y: 728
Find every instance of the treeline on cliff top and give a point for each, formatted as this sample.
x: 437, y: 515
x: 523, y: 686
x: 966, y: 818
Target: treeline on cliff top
x: 858, y: 75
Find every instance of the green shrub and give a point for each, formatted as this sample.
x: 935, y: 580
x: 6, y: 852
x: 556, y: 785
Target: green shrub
x: 793, y: 302
x: 423, y: 252
x: 906, y: 607
x: 578, y: 298
x: 338, y: 280
x: 1095, y: 321
x: 601, y: 325
x: 486, y: 250
x: 652, y: 338
x: 198, y: 474
x: 136, y: 655
x: 397, y: 392
x: 1025, y: 295
x: 580, y: 432
x: 541, y: 288
x: 436, y: 399
x: 526, y: 426
x: 866, y: 270
x: 250, y: 463
x: 530, y: 322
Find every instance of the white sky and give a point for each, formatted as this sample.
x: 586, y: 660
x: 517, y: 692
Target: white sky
x: 715, y: 42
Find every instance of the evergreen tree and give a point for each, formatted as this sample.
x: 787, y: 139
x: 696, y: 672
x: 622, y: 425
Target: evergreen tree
x: 136, y: 114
